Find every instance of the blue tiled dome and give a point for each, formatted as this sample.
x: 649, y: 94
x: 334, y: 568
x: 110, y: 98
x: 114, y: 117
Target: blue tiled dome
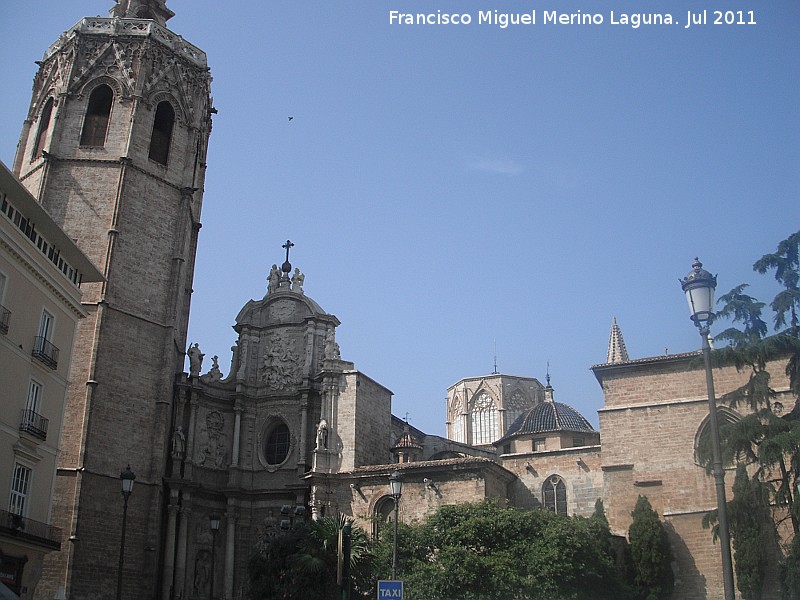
x: 549, y: 417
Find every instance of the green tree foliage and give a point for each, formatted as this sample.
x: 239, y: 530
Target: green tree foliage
x: 769, y: 435
x: 791, y: 572
x: 300, y: 563
x: 487, y: 551
x: 650, y: 552
x: 751, y: 529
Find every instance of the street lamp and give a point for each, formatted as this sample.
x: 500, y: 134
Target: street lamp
x: 699, y: 287
x: 396, y: 485
x: 214, y: 519
x: 127, y: 478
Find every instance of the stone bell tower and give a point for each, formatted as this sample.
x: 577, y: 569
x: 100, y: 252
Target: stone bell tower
x: 114, y: 147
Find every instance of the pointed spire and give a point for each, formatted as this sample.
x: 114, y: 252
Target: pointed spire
x: 617, y: 352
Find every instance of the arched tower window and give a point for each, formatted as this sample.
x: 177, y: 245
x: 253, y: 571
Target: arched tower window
x: 44, y: 125
x: 95, y: 125
x: 276, y: 448
x: 554, y: 494
x: 162, y: 132
x: 484, y: 420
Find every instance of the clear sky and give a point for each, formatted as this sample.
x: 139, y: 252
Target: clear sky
x: 455, y: 188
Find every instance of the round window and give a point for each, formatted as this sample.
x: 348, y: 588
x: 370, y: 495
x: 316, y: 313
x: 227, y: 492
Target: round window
x: 276, y: 448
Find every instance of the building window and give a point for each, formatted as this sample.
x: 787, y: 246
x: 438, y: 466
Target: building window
x: 555, y: 495
x: 276, y: 448
x: 537, y: 445
x: 506, y: 448
x: 20, y: 484
x: 44, y: 125
x: 578, y: 441
x: 43, y: 349
x: 95, y: 125
x: 32, y: 422
x: 384, y: 513
x: 484, y: 420
x: 162, y: 132
x: 5, y: 314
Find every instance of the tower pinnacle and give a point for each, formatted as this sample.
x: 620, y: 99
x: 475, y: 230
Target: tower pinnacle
x: 142, y: 9
x: 617, y: 352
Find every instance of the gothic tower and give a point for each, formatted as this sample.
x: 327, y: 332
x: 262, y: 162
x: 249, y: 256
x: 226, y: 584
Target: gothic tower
x: 114, y: 147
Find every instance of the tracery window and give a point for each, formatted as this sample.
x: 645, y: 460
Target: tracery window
x: 702, y: 441
x: 44, y: 125
x: 515, y: 406
x: 484, y: 420
x: 276, y: 448
x: 162, y: 132
x: 98, y: 112
x: 554, y: 495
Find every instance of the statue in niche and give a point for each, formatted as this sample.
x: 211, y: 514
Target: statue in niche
x: 178, y: 443
x: 297, y: 281
x: 331, y: 347
x: 195, y: 360
x: 214, y: 373
x: 322, y: 435
x: 274, y: 279
x: 202, y: 572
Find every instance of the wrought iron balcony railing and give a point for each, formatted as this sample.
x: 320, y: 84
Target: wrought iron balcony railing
x: 45, y: 352
x: 32, y: 531
x: 33, y: 423
x: 5, y: 317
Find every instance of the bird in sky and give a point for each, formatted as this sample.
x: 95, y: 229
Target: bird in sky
x: 290, y: 118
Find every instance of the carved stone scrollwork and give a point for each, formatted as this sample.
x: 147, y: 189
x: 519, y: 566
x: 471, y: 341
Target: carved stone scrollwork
x: 280, y: 365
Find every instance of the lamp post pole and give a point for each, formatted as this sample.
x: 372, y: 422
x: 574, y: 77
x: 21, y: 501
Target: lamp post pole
x: 214, y: 519
x: 699, y: 287
x: 127, y: 477
x: 396, y: 484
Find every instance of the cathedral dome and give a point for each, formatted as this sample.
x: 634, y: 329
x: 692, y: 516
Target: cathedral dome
x: 549, y: 417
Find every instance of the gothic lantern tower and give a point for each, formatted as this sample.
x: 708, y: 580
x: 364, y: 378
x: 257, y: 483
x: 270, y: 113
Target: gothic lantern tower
x: 114, y: 147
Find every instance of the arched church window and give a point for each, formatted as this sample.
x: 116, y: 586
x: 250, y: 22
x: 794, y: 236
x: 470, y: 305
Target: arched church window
x: 555, y: 495
x: 384, y: 513
x: 484, y: 420
x: 276, y: 448
x: 702, y: 439
x: 162, y: 132
x: 98, y: 111
x: 44, y: 125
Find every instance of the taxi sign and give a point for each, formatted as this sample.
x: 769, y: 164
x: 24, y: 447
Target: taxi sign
x: 390, y: 590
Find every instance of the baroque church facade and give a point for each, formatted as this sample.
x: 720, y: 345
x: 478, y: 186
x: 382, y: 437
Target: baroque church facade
x: 114, y: 149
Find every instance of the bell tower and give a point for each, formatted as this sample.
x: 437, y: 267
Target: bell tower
x: 114, y: 147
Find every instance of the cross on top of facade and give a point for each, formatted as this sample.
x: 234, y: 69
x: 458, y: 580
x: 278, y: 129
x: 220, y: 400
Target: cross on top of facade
x: 286, y: 267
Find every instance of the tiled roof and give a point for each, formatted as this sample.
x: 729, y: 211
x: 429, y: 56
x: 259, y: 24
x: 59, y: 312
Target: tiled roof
x: 549, y: 417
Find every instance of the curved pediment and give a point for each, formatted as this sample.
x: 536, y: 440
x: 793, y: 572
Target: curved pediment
x: 279, y: 308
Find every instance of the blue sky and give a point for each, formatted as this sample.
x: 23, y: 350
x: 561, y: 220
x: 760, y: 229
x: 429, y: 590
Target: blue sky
x: 452, y: 189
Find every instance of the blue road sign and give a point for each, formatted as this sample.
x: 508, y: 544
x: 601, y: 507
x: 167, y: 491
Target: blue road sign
x: 390, y: 589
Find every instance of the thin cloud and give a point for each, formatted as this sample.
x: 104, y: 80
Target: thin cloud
x: 499, y: 167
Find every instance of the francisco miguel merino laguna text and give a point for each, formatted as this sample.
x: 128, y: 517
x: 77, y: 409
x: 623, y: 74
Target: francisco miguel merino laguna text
x: 548, y: 17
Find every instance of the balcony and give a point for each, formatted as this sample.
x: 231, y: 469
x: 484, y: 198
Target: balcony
x: 45, y: 352
x: 5, y: 317
x: 34, y: 423
x: 41, y: 534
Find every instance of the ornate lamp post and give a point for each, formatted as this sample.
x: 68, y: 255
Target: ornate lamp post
x: 214, y: 520
x: 127, y: 478
x: 396, y: 485
x: 699, y: 287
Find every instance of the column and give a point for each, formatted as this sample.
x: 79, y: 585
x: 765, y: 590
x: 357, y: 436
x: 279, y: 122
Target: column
x: 169, y: 551
x: 180, y: 564
x: 301, y: 461
x: 237, y: 428
x: 230, y: 537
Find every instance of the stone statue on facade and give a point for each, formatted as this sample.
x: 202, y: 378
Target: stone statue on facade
x: 331, y: 347
x: 297, y: 281
x: 178, y: 443
x: 322, y: 435
x: 214, y: 374
x: 195, y: 360
x: 274, y: 279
